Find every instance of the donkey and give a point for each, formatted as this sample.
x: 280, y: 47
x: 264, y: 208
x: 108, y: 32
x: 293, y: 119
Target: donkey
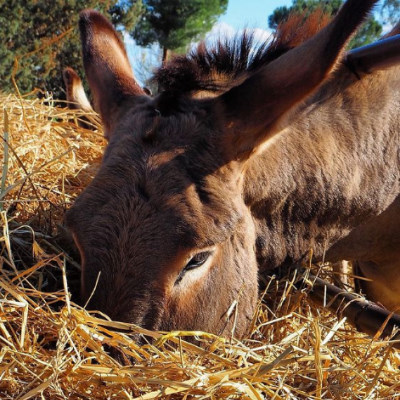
x: 244, y: 161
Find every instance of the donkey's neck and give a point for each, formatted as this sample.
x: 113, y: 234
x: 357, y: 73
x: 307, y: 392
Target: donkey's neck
x: 331, y: 171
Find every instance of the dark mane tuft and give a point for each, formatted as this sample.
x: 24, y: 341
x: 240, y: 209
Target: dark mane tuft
x: 225, y: 64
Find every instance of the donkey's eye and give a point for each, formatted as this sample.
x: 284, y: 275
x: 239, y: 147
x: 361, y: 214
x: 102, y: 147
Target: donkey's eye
x: 197, y: 260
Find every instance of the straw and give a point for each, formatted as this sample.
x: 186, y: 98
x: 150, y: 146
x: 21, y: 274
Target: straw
x: 51, y: 348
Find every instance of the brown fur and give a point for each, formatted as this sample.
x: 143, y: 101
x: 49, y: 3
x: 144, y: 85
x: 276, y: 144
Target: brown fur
x: 76, y: 96
x: 283, y: 160
x: 117, y: 82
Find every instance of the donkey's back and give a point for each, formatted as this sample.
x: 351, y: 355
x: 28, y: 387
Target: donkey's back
x: 330, y: 182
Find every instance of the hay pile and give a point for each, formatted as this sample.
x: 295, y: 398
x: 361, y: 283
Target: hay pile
x: 52, y: 349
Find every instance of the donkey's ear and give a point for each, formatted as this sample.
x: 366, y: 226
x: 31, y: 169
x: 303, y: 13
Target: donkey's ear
x: 76, y: 96
x: 107, y: 66
x: 256, y: 109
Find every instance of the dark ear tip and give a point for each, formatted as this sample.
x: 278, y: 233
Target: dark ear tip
x: 88, y: 18
x: 70, y: 75
x: 92, y: 17
x: 92, y: 22
x: 88, y: 15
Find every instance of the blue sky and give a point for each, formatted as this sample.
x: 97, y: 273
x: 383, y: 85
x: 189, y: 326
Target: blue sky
x: 250, y: 13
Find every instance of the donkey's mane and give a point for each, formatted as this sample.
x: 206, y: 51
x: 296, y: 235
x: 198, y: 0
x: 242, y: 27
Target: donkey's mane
x: 226, y: 63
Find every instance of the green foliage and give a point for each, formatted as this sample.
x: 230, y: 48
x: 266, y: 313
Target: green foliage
x: 281, y: 13
x: 126, y: 13
x: 175, y: 23
x: 28, y: 26
x: 391, y: 11
x: 368, y: 33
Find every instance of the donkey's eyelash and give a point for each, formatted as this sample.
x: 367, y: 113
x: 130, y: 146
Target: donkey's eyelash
x: 196, y: 261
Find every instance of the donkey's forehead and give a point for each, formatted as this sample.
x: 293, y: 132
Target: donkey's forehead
x: 183, y: 143
x: 161, y: 122
x: 159, y: 188
x: 172, y: 174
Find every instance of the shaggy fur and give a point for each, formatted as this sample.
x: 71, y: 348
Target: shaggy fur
x: 217, y: 68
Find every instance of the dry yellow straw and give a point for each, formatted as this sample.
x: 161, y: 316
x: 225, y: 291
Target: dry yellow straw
x: 52, y: 349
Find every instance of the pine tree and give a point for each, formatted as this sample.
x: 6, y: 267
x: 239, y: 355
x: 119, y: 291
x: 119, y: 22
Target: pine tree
x: 175, y: 23
x: 29, y: 30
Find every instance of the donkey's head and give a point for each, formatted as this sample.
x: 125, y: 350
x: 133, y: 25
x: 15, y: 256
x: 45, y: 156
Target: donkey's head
x: 166, y: 239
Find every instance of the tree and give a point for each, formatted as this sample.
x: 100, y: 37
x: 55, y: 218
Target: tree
x: 175, y: 23
x: 44, y: 36
x: 126, y: 13
x: 368, y: 33
x: 391, y: 11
